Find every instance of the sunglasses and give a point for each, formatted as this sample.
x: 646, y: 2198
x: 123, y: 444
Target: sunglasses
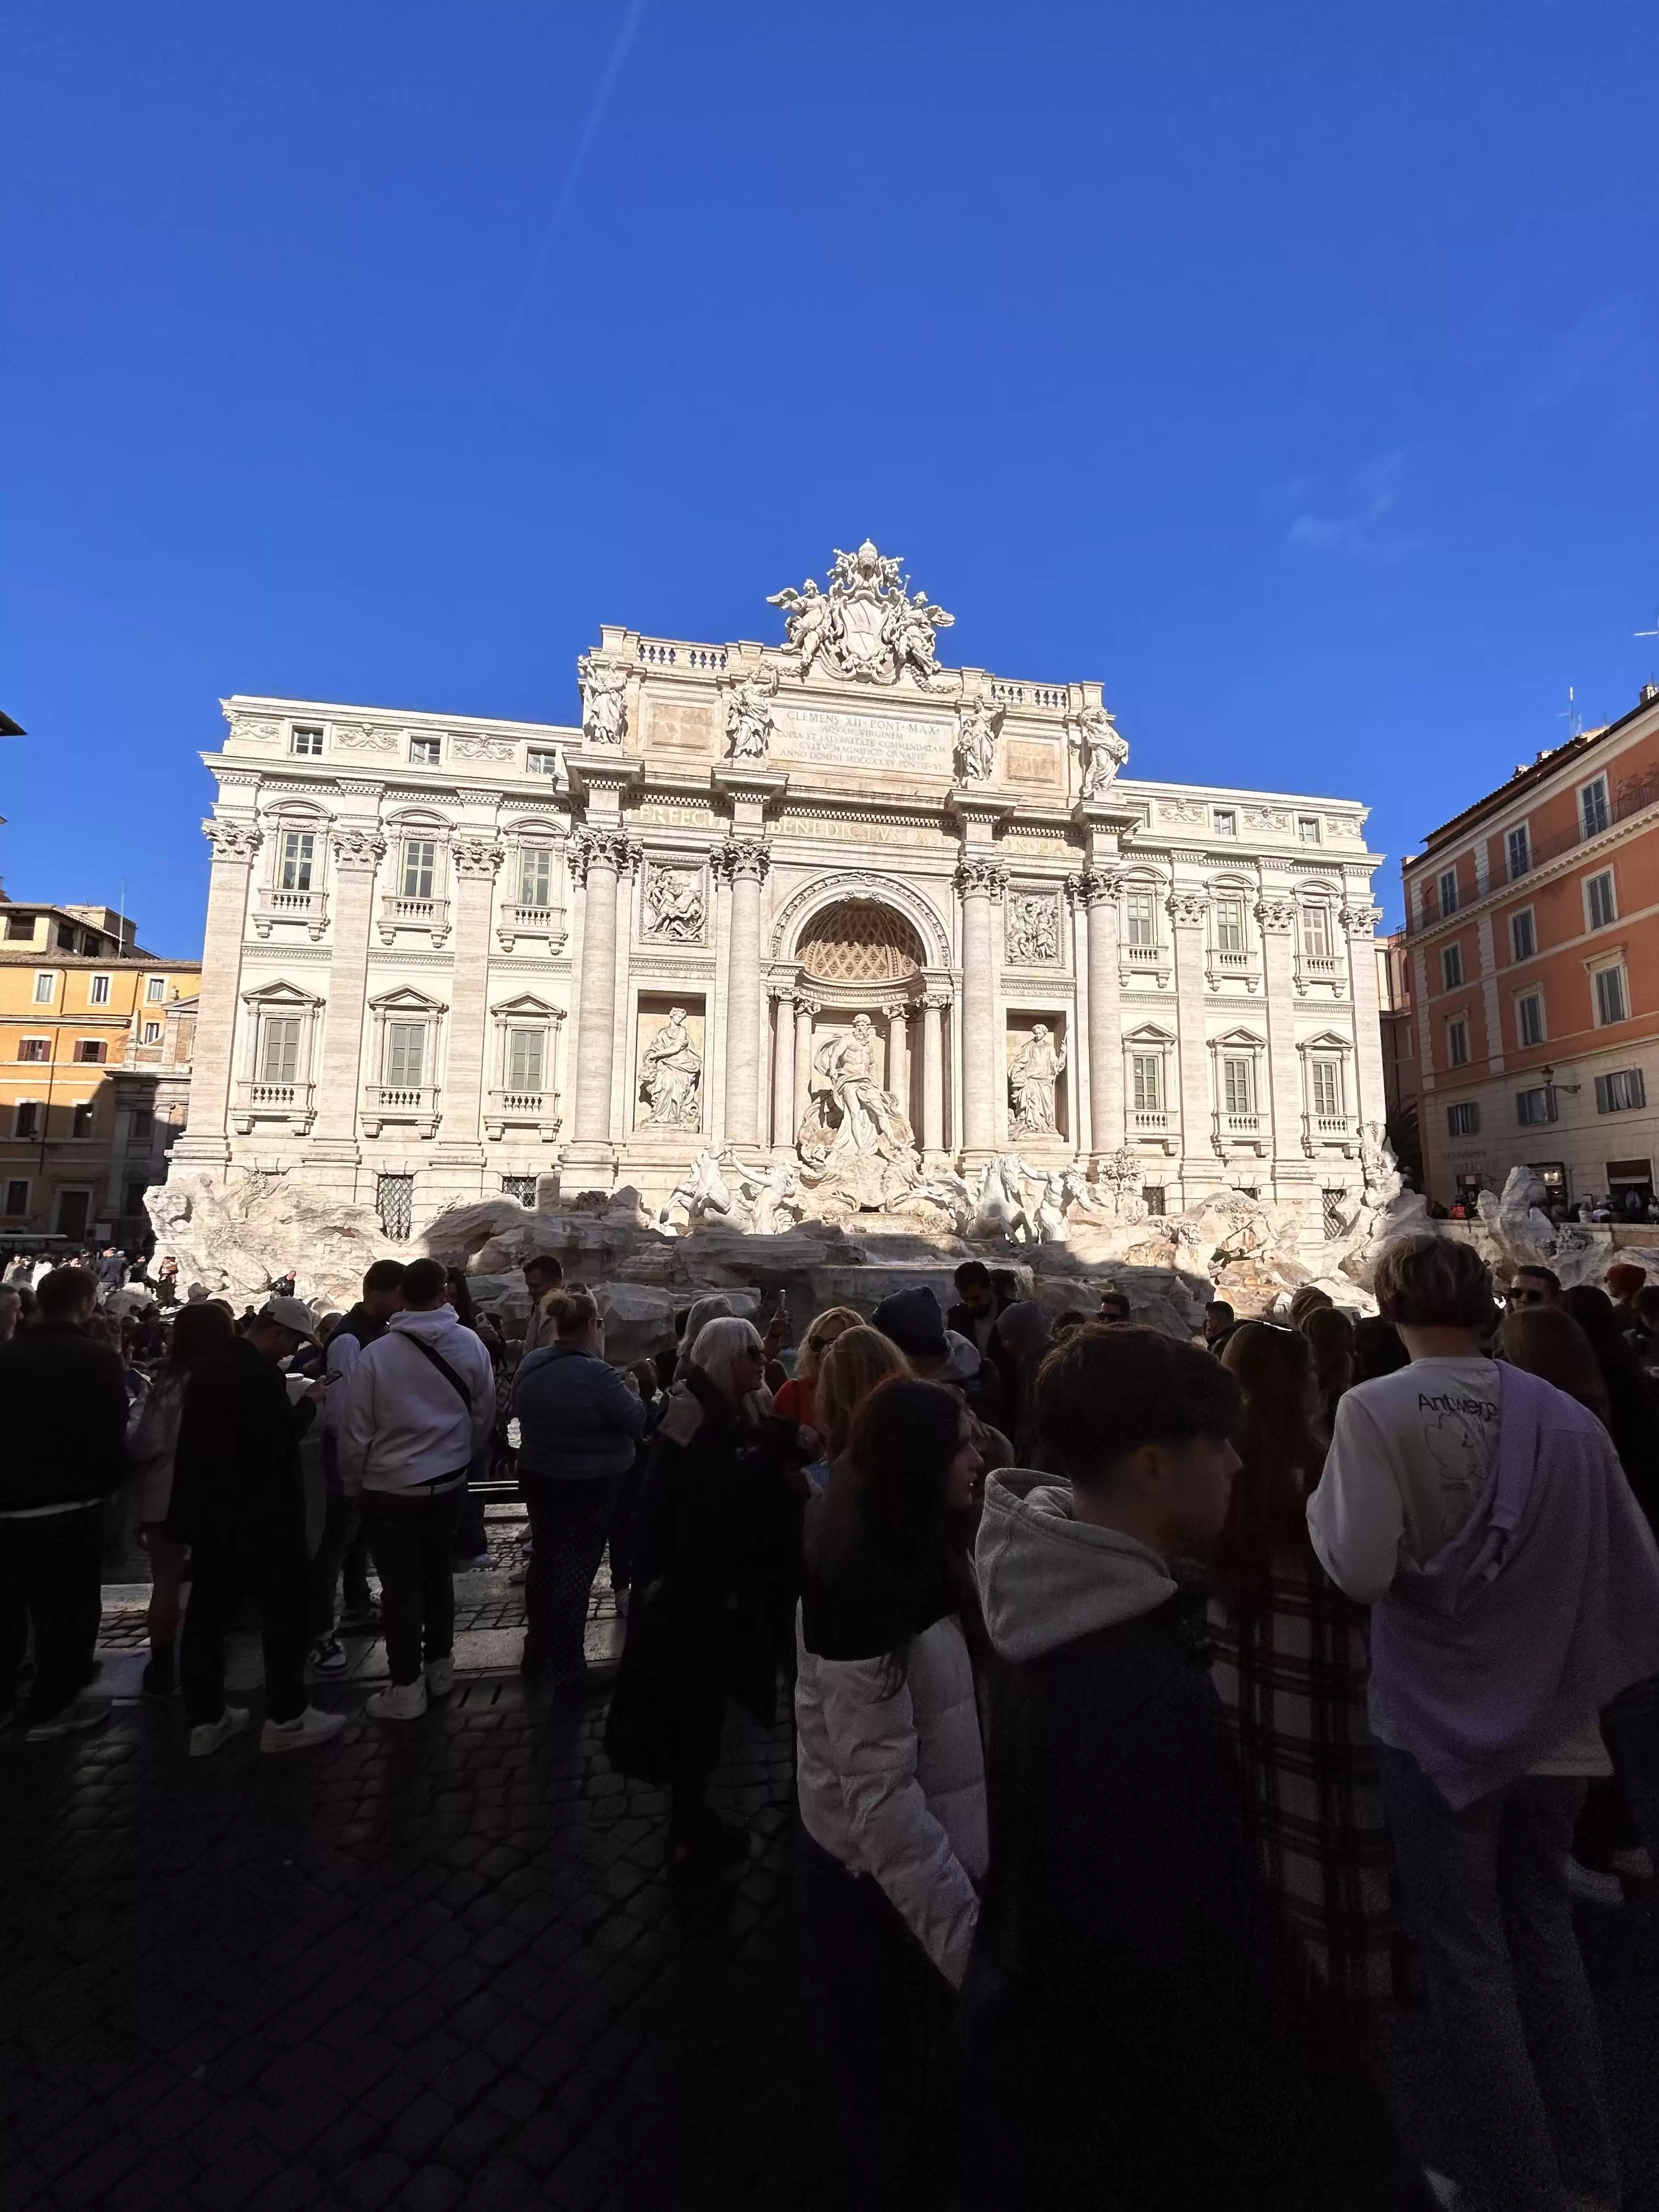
x: 1527, y: 1297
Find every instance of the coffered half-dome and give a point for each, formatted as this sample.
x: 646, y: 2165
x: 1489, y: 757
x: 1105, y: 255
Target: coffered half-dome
x: 860, y: 941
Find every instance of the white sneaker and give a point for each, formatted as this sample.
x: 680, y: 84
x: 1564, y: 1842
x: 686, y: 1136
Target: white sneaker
x: 440, y: 1677
x: 206, y: 1737
x: 399, y: 1701
x: 311, y: 1728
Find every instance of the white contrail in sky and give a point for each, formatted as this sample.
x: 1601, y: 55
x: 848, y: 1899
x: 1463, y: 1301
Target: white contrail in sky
x: 590, y: 131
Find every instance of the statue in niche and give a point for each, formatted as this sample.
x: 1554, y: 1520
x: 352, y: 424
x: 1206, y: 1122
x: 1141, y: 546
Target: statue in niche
x: 976, y: 741
x: 872, y: 1122
x: 604, y: 689
x: 1100, y: 750
x: 673, y: 897
x: 1035, y: 1070
x: 749, y: 723
x: 1033, y: 929
x: 672, y: 1075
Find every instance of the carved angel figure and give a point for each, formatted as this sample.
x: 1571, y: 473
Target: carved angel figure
x: 749, y: 723
x: 604, y: 689
x: 1102, y: 752
x: 909, y: 629
x: 811, y: 622
x: 976, y: 740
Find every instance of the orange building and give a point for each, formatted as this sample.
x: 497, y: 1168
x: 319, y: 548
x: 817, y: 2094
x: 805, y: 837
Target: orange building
x: 1533, y: 923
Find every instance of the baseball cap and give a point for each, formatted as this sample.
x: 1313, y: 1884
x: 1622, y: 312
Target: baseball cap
x: 289, y: 1313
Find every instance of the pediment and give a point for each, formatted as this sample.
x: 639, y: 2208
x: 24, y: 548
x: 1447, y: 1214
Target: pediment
x: 280, y: 993
x: 406, y: 1000
x: 528, y: 1007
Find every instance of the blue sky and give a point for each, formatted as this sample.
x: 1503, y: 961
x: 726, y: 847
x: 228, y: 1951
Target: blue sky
x: 1294, y: 369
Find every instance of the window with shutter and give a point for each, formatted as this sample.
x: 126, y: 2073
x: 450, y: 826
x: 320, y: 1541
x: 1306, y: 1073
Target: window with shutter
x: 279, y: 1050
x: 535, y: 876
x: 524, y: 1059
x: 1237, y: 1084
x: 1611, y: 1002
x: 1148, y: 1082
x: 420, y: 859
x: 405, y: 1054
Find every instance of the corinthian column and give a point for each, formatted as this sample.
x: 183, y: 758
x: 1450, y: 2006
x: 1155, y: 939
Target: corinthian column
x: 745, y: 860
x: 473, y: 860
x: 1100, y: 889
x: 898, y: 1053
x: 601, y: 856
x: 933, y: 1075
x: 806, y: 1008
x: 979, y: 883
x: 783, y: 1069
x: 205, y: 1142
x: 358, y: 852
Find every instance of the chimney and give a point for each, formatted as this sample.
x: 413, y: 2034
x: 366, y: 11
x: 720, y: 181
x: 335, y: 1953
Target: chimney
x: 1647, y: 695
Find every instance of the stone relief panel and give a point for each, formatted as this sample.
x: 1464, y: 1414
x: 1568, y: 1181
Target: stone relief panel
x: 668, y: 1089
x: 1032, y: 929
x: 470, y: 746
x: 675, y: 905
x: 364, y: 737
x: 829, y: 738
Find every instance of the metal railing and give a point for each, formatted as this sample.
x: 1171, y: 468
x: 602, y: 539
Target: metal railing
x: 1633, y: 796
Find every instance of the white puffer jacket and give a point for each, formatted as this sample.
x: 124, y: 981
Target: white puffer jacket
x: 892, y: 1781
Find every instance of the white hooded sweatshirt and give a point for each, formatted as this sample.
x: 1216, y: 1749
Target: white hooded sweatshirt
x: 404, y: 1422
x: 1045, y: 1579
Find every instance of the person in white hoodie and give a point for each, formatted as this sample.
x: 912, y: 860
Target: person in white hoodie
x: 420, y: 1400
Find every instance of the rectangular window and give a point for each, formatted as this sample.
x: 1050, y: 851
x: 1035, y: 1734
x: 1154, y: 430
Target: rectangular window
x: 426, y: 752
x: 1238, y: 1084
x: 420, y: 863
x: 1449, y: 892
x: 155, y: 990
x: 81, y: 1117
x: 298, y: 847
x: 1334, y: 1210
x: 525, y: 1050
x: 1458, y: 1044
x: 1225, y: 821
x: 152, y: 1033
x: 143, y: 1125
x: 1230, y: 925
x: 66, y: 937
x: 21, y: 925
x: 1463, y: 1120
x: 1326, y: 1087
x: 1600, y: 904
x: 98, y: 990
x: 279, y: 1049
x: 540, y: 761
x: 1534, y: 1107
x: 1451, y: 967
x: 91, y: 1051
x: 1529, y: 1017
x: 405, y: 1054
x: 46, y: 990
x: 1523, y: 937
x: 523, y: 1188
x: 1142, y: 915
x: 18, y: 1198
x: 1316, y: 932
x: 1612, y: 998
x: 1593, y: 812
x: 1518, y: 846
x: 535, y: 876
x: 1307, y: 828
x: 394, y: 1201
x: 26, y: 1119
x: 35, y: 1048
x: 1148, y: 1068
x: 308, y: 742
x: 1151, y: 1197
x: 1617, y: 1093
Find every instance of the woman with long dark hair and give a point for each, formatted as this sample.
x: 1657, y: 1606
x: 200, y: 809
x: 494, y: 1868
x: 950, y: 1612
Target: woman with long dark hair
x: 891, y: 1769
x: 1291, y: 1671
x: 198, y: 1332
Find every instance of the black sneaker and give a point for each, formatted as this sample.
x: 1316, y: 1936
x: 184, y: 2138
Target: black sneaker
x: 326, y: 1657
x: 160, y: 1675
x: 361, y: 1620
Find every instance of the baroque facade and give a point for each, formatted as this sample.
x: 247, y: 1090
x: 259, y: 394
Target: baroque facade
x: 823, y: 908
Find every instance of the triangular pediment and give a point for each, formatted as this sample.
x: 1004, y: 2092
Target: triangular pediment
x: 406, y: 1000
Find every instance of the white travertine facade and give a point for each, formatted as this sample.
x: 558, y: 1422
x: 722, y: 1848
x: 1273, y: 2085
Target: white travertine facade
x: 444, y: 954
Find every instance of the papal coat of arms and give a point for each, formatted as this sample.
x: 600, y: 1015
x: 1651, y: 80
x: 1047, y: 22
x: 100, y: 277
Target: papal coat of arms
x: 867, y: 626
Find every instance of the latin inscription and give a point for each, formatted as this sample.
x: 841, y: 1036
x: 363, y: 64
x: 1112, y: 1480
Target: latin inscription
x: 872, y: 741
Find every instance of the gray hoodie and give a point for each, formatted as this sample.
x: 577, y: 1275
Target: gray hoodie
x: 1045, y: 1579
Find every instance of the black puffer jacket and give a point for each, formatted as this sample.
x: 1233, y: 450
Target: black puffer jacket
x: 62, y: 1418
x: 236, y: 1477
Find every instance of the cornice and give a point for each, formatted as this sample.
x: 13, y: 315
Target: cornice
x: 1605, y: 841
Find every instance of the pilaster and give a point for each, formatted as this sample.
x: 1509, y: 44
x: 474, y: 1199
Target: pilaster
x: 206, y: 1141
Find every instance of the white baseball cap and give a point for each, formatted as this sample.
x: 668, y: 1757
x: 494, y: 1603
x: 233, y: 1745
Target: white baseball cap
x: 289, y: 1313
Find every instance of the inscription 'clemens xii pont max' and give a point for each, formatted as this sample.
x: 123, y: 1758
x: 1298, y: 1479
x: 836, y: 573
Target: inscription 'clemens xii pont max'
x: 924, y: 747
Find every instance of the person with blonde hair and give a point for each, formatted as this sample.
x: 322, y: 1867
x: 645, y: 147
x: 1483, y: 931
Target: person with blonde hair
x: 798, y: 1400
x: 857, y: 1362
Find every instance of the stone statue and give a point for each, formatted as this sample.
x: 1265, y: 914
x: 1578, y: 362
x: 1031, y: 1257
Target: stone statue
x: 1032, y: 1077
x: 749, y: 723
x: 1047, y: 1218
x: 865, y: 628
x: 909, y: 628
x: 767, y: 1192
x: 674, y: 905
x: 604, y: 700
x: 1100, y: 752
x: 871, y: 1121
x: 999, y: 1202
x: 1033, y: 929
x: 673, y: 1073
x: 811, y: 623
x: 977, y: 727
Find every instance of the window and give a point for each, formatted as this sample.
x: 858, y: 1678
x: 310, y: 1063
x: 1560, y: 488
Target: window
x: 81, y: 1117
x: 1316, y: 932
x: 1518, y: 846
x: 26, y: 1119
x: 46, y: 990
x: 155, y: 991
x: 405, y: 1054
x: 136, y: 1198
x: 1151, y: 1197
x: 426, y: 752
x: 1333, y: 1208
x: 1523, y: 937
x: 540, y: 761
x: 1238, y: 1084
x: 308, y: 742
x: 1618, y: 1093
x: 1147, y: 1069
x: 535, y: 876
x: 524, y: 1052
x: 420, y: 860
x: 1593, y: 811
x: 1463, y: 1120
x: 279, y: 1049
x: 1230, y: 925
x: 1326, y: 1080
x: 143, y: 1125
x: 294, y: 873
x: 1449, y: 892
x: 98, y: 990
x: 35, y: 1048
x: 18, y: 1198
x: 1612, y: 998
x: 66, y: 937
x: 91, y: 1051
x: 1533, y: 1108
x: 1307, y: 828
x: 1529, y: 1017
x: 21, y: 925
x: 394, y: 1201
x: 1451, y: 967
x: 1458, y: 1044
x: 152, y: 1033
x: 523, y: 1188
x: 1600, y: 904
x: 1142, y: 916
x: 1225, y: 822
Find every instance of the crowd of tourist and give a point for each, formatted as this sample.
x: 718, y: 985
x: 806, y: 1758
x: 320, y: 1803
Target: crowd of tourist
x: 1168, y: 1715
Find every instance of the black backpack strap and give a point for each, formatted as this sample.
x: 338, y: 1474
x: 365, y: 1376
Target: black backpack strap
x: 439, y: 1362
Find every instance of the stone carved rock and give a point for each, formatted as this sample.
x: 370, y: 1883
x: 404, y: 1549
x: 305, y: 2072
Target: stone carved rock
x: 1031, y: 936
x: 241, y: 1237
x: 471, y: 746
x: 604, y: 700
x: 865, y: 628
x: 1276, y: 915
x: 674, y: 903
x: 1092, y: 735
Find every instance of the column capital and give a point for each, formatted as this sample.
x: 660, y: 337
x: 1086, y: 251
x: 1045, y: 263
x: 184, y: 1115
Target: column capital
x: 1095, y: 886
x: 1276, y: 915
x: 362, y: 849
x: 233, y: 841
x: 612, y: 849
x: 981, y: 879
x: 785, y: 993
x: 1360, y: 920
x: 1188, y: 909
x: 807, y: 1005
x: 897, y: 1010
x: 742, y: 858
x: 471, y: 854
x: 935, y: 1002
